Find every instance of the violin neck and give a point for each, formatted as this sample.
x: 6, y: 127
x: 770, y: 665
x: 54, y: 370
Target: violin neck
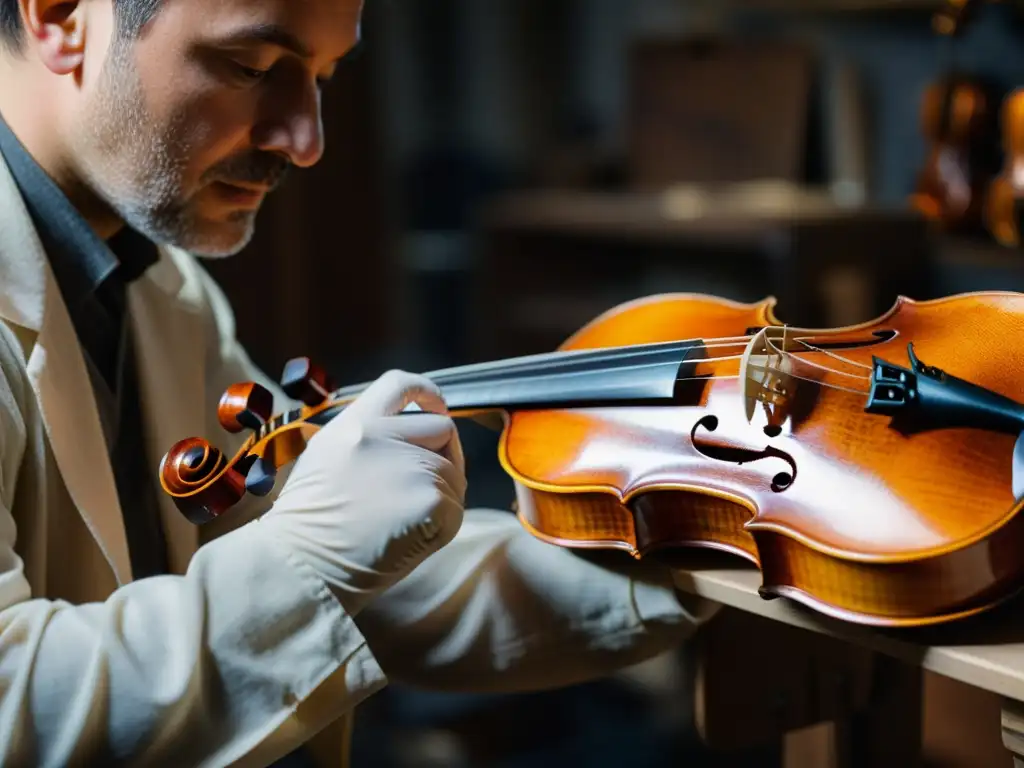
x: 639, y: 374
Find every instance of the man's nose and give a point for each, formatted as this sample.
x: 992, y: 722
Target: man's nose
x: 294, y: 128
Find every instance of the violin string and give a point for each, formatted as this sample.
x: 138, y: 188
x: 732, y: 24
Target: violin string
x: 536, y: 364
x: 567, y: 374
x: 826, y: 384
x: 596, y: 355
x: 840, y: 358
x: 825, y: 368
x: 788, y: 355
x: 538, y: 370
x: 790, y: 374
x: 785, y: 353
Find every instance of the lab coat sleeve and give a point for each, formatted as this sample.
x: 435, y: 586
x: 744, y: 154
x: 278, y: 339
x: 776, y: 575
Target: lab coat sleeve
x: 197, y: 669
x: 183, y: 670
x: 498, y: 610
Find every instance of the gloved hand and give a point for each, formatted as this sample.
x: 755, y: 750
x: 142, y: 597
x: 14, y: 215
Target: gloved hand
x: 375, y: 491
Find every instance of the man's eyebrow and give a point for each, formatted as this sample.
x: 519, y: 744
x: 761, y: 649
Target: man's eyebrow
x: 273, y: 34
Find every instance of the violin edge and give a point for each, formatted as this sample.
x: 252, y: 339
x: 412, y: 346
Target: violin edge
x: 807, y: 600
x: 903, y: 302
x: 768, y: 304
x: 934, y: 591
x: 939, y: 590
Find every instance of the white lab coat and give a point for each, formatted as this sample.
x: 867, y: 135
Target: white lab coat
x: 242, y: 654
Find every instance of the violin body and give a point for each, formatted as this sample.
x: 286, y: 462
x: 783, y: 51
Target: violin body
x: 1006, y: 192
x: 866, y: 471
x: 874, y: 528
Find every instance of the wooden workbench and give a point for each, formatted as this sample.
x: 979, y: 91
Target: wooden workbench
x: 985, y: 652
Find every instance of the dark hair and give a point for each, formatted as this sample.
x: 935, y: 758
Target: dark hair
x: 131, y: 16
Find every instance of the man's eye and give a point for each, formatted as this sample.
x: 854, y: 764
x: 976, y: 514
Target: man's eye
x: 249, y: 73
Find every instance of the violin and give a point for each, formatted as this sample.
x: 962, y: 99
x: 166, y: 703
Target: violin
x: 1003, y: 205
x: 959, y: 122
x: 951, y: 18
x: 865, y: 470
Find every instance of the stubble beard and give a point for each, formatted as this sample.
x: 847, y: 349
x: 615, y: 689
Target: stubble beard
x: 137, y: 167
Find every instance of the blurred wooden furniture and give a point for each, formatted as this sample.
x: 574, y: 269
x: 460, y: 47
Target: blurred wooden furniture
x: 550, y: 262
x: 823, y: 703
x: 877, y: 710
x: 717, y: 110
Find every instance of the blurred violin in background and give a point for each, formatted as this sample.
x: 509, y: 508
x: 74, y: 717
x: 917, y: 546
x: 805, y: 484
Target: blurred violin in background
x: 1003, y: 204
x: 959, y: 120
x: 951, y: 18
x: 957, y: 116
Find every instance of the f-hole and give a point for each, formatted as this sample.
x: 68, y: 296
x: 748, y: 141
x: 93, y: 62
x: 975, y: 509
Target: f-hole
x: 739, y: 456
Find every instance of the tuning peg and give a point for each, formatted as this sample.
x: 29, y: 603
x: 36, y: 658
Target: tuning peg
x: 259, y: 480
x: 245, y: 406
x: 304, y: 380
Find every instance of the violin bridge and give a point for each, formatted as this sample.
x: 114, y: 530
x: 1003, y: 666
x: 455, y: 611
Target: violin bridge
x: 766, y: 374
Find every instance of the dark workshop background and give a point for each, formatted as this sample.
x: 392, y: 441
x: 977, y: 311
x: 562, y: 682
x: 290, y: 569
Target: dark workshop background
x: 500, y: 171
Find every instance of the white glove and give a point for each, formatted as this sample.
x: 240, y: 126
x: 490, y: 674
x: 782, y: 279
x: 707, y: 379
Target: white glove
x: 375, y: 491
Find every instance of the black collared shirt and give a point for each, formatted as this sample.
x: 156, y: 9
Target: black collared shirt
x: 93, y: 276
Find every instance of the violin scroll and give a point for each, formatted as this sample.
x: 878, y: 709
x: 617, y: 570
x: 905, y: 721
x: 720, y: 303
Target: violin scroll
x: 205, y: 484
x: 197, y: 476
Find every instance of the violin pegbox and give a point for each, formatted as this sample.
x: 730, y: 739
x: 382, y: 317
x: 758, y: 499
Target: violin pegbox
x: 245, y: 406
x: 306, y: 381
x: 199, y: 476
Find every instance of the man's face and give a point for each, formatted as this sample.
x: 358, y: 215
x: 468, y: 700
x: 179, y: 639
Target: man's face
x: 183, y: 129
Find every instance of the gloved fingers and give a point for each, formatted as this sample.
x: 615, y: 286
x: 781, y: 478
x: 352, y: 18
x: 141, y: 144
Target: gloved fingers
x: 438, y: 435
x: 452, y: 472
x: 427, y: 430
x: 394, y: 391
x: 418, y: 428
x: 454, y: 454
x: 449, y: 516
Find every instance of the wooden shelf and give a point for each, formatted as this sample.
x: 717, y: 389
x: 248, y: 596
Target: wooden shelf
x: 653, y: 216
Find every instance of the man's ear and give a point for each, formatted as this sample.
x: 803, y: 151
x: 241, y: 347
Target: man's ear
x: 57, y: 28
